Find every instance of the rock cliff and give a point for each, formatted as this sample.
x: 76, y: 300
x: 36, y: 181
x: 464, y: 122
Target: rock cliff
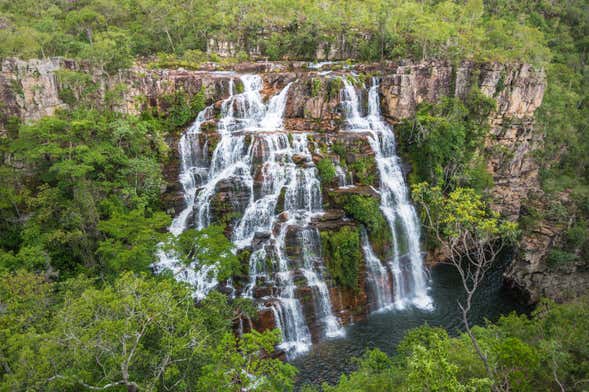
x: 32, y: 89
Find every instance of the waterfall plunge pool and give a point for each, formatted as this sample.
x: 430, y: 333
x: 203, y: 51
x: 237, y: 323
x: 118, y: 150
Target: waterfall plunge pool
x: 328, y: 359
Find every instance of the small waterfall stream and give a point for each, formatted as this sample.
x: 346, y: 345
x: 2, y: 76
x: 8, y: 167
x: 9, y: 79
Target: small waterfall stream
x: 255, y: 153
x: 409, y: 276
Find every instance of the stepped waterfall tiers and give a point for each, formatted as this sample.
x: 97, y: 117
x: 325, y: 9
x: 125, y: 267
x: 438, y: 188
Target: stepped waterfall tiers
x: 241, y: 166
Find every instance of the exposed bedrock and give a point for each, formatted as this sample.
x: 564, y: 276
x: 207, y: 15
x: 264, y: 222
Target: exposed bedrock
x: 32, y: 89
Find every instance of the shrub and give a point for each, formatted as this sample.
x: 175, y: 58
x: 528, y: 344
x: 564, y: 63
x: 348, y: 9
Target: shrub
x: 342, y: 253
x: 339, y: 149
x: 364, y: 170
x: 315, y: 87
x: 558, y: 257
x: 366, y: 210
x: 326, y: 171
x: 576, y: 236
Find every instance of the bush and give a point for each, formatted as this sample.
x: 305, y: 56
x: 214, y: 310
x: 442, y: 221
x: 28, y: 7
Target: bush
x: 342, y: 253
x: 444, y: 142
x: 339, y: 149
x: 366, y: 209
x: 315, y: 87
x: 326, y: 171
x: 558, y: 257
x: 364, y: 170
x: 576, y: 236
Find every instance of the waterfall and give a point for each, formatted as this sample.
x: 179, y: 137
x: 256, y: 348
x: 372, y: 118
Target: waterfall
x: 311, y: 257
x: 255, y: 153
x: 301, y: 202
x: 378, y: 277
x: 344, y: 179
x: 408, y: 272
x: 193, y: 167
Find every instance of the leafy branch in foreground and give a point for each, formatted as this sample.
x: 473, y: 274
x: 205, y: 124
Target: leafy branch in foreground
x: 141, y: 333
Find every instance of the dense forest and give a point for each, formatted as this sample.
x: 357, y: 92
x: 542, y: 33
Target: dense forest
x: 82, y: 223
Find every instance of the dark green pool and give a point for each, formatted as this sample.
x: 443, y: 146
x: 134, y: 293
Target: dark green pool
x: 330, y: 358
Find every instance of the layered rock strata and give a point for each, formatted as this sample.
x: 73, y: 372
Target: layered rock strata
x: 32, y: 89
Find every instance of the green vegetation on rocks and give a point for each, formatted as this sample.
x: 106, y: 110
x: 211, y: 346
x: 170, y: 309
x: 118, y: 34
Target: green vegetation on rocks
x: 326, y: 171
x: 341, y: 251
x: 445, y: 142
x: 366, y: 209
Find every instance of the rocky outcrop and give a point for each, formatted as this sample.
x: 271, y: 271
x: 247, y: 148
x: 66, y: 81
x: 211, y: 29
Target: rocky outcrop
x: 29, y: 90
x: 32, y: 89
x: 531, y: 273
x: 518, y: 91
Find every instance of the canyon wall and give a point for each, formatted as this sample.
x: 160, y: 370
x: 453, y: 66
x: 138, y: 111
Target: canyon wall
x: 32, y: 89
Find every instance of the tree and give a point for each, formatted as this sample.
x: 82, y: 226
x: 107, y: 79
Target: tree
x: 140, y: 333
x: 207, y: 247
x: 244, y: 364
x: 470, y: 235
x: 110, y: 51
x: 132, y: 239
x: 548, y: 351
x: 26, y: 304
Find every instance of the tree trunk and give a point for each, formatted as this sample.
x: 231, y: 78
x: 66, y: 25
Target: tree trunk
x: 475, y: 343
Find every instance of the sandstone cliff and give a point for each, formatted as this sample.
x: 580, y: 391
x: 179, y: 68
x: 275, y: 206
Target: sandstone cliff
x: 29, y: 90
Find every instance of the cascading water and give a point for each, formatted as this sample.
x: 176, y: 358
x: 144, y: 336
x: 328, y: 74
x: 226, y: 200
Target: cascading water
x: 301, y: 202
x: 410, y: 287
x: 193, y: 169
x: 254, y: 152
x: 378, y: 276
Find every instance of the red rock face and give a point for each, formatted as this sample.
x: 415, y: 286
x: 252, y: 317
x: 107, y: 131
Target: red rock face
x: 349, y: 305
x: 265, y: 321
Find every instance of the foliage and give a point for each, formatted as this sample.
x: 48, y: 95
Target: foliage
x: 558, y: 257
x: 562, y: 116
x: 364, y: 170
x: 315, y: 87
x: 76, y: 86
x: 461, y: 212
x: 110, y: 33
x: 110, y: 50
x: 208, y: 246
x: 366, y: 209
x: 444, y: 142
x: 180, y: 108
x: 341, y: 250
x: 339, y: 148
x: 140, y: 333
x: 91, y: 191
x: 471, y: 236
x: 326, y: 171
x: 132, y: 239
x: 546, y: 352
x: 247, y: 367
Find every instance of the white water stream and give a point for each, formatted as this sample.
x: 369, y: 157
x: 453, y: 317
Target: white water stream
x: 409, y: 276
x: 255, y: 154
